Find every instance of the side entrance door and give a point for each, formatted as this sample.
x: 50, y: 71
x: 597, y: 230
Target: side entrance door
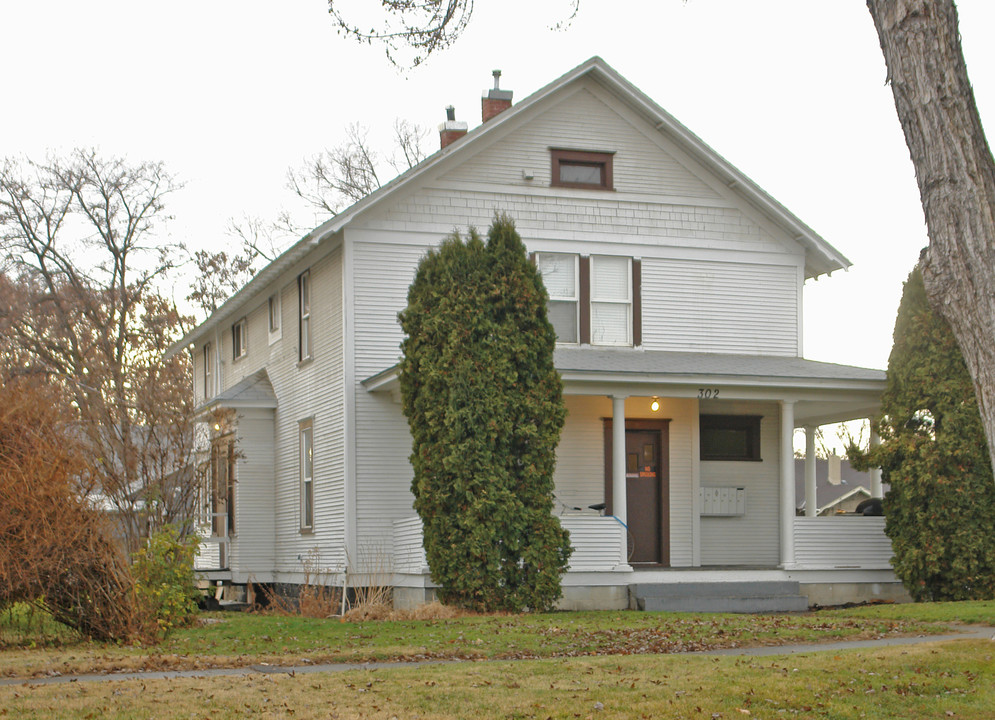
x: 647, y: 481
x: 223, y: 492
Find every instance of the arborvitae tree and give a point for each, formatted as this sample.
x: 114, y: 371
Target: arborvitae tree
x: 933, y: 453
x: 485, y: 408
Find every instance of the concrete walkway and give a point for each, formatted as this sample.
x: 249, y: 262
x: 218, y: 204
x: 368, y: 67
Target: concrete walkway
x: 962, y: 632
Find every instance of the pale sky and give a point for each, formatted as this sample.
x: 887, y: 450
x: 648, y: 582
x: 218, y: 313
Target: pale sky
x: 229, y: 94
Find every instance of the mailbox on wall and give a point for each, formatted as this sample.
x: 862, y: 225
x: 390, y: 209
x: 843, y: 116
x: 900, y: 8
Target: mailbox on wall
x: 723, y: 501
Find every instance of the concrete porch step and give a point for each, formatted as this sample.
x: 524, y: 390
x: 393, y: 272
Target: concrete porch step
x: 734, y: 597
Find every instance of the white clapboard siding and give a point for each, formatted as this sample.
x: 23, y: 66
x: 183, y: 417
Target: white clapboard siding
x: 383, y: 442
x: 636, y: 224
x: 728, y: 307
x: 585, y: 121
x: 380, y: 294
x: 409, y: 551
x: 315, y: 391
x: 683, y: 421
x: 253, y: 546
x: 750, y: 539
x: 847, y: 541
x: 598, y: 542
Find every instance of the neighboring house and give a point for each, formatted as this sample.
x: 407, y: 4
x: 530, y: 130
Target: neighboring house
x: 676, y: 291
x: 839, y: 488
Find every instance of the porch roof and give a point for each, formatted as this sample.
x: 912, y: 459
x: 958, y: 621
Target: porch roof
x: 255, y: 391
x: 823, y: 392
x: 654, y: 365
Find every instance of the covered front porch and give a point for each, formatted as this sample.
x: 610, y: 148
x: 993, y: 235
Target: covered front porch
x: 692, y: 455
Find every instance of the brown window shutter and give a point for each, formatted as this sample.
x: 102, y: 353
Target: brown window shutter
x: 637, y: 302
x: 532, y: 258
x: 585, y: 300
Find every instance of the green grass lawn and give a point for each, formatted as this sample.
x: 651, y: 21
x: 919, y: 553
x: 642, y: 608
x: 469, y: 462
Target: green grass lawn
x: 237, y: 639
x: 980, y: 612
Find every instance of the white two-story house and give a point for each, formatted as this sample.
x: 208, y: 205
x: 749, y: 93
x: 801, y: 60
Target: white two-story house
x: 675, y: 289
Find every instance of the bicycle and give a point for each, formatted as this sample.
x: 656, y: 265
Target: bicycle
x: 630, y: 541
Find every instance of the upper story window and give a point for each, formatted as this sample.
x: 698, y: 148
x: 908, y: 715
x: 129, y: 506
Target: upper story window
x: 239, y: 339
x: 611, y: 300
x: 304, y: 322
x: 559, y: 273
x: 582, y: 169
x: 593, y: 300
x: 208, y: 374
x: 273, y: 313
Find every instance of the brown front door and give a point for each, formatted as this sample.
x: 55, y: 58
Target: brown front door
x: 647, y: 481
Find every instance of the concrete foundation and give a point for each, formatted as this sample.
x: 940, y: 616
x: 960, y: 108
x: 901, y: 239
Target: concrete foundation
x: 408, y: 598
x: 841, y: 593
x: 594, y: 597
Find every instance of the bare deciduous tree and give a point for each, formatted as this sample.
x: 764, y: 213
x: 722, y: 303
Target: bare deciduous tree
x: 220, y: 274
x: 78, y: 235
x: 325, y: 182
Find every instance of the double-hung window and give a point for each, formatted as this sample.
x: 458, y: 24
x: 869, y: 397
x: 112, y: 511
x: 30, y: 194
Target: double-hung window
x: 239, y: 339
x: 273, y: 314
x: 560, y: 275
x: 304, y: 323
x: 307, y: 475
x: 611, y: 300
x: 593, y: 300
x: 208, y: 375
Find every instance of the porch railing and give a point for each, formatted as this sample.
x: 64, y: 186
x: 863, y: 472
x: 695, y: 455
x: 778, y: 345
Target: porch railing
x: 409, y: 552
x: 841, y: 541
x: 598, y: 544
x: 214, y: 551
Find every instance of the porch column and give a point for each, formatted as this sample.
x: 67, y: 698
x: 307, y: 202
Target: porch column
x: 787, y: 483
x: 618, y: 461
x: 876, y: 490
x: 811, y: 499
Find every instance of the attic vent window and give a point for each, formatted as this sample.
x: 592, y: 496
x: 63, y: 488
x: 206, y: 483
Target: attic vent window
x: 582, y: 169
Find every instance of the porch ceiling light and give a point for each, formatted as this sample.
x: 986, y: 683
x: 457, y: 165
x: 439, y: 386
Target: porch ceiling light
x: 217, y: 426
x: 655, y: 404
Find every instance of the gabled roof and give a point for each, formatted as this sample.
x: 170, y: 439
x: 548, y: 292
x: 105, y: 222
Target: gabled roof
x: 852, y: 482
x: 821, y: 257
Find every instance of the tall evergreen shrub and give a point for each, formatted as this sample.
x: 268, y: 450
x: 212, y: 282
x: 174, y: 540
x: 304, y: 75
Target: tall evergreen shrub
x: 485, y: 408
x: 939, y: 510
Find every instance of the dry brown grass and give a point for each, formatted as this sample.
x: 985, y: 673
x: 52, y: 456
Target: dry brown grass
x: 318, y: 596
x: 948, y: 680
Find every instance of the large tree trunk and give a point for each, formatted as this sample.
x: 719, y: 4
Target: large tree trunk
x: 956, y: 176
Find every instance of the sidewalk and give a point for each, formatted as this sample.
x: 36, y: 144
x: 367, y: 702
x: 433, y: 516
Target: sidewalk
x: 963, y: 632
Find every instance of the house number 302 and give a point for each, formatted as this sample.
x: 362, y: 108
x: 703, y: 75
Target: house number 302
x: 708, y: 393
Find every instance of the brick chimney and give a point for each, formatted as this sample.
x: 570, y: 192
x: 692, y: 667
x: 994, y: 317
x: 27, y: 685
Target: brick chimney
x: 495, y: 100
x: 451, y: 130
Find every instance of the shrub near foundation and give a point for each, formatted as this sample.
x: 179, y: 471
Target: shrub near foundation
x: 164, y: 579
x: 56, y: 550
x: 485, y: 408
x: 933, y: 453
